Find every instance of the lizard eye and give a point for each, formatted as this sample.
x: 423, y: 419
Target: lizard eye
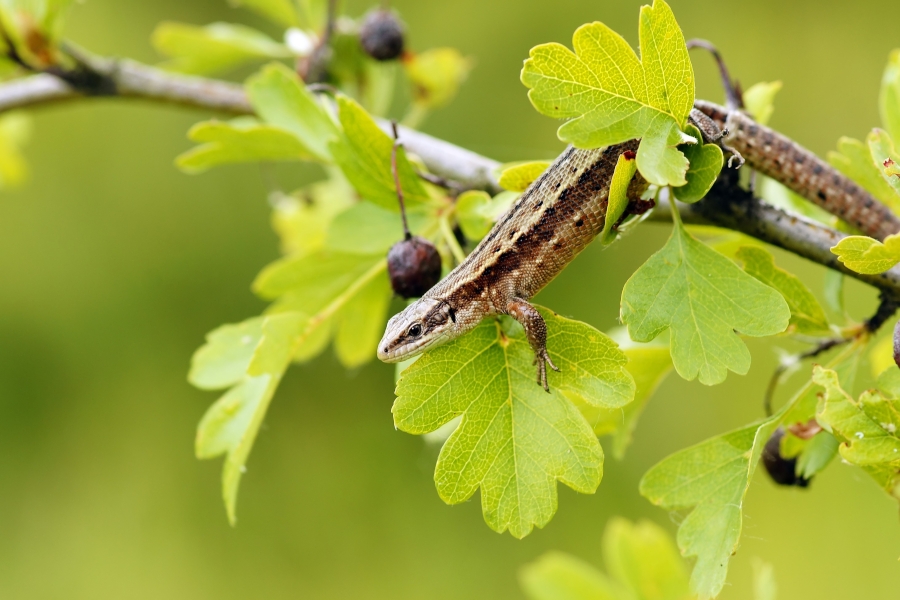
x: 415, y: 331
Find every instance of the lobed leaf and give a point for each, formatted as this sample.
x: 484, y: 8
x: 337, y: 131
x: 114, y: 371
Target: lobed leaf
x: 514, y: 440
x: 280, y: 98
x: 867, y: 255
x: 230, y: 143
x: 703, y: 299
x: 807, y: 315
x: 611, y: 96
x: 215, y: 47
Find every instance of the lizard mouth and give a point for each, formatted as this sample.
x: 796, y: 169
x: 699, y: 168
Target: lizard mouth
x: 401, y: 352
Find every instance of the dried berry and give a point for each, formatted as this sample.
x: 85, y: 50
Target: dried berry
x: 783, y: 471
x: 414, y: 266
x: 381, y: 35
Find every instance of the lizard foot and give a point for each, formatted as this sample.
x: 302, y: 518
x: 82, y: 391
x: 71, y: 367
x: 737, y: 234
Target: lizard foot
x: 542, y: 359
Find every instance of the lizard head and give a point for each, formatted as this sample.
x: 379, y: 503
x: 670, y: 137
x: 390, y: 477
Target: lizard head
x: 425, y: 323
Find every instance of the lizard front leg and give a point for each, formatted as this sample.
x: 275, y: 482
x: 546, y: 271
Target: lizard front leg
x: 536, y: 332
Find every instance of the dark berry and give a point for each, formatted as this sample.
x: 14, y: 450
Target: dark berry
x: 783, y: 471
x: 414, y: 266
x: 381, y: 35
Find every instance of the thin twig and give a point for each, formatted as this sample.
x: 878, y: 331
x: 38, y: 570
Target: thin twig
x: 734, y: 99
x: 406, y: 234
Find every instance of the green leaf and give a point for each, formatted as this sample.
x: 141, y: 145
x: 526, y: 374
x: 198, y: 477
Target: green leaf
x: 229, y: 143
x: 642, y: 561
x: 559, y: 576
x: 282, y: 12
x: 367, y: 228
x: 360, y: 324
x: 612, y: 96
x: 470, y: 207
x: 703, y: 298
x: 807, y: 315
x: 712, y: 477
x: 706, y: 162
x: 759, y: 100
x: 280, y: 98
x: 519, y: 176
x: 617, y: 200
x: 364, y: 154
x: 224, y: 359
x: 303, y: 218
x: 515, y: 440
x: 436, y: 75
x: 886, y: 158
x: 15, y: 130
x: 649, y: 364
x: 867, y: 255
x: 215, y: 47
x: 854, y: 160
x: 232, y: 422
x: 889, y: 98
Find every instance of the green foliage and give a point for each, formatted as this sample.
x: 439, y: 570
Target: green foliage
x: 617, y: 199
x: 885, y: 157
x: 642, y: 562
x: 854, y: 160
x: 517, y: 177
x: 867, y: 255
x: 702, y: 298
x: 363, y: 152
x: 215, y: 47
x: 807, y: 315
x: 612, y: 96
x: 436, y: 76
x: 238, y: 141
x: 283, y: 12
x: 706, y: 162
x: 759, y: 100
x: 515, y: 440
x: 867, y: 428
x: 280, y: 99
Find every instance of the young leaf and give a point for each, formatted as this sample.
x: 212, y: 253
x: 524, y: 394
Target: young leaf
x: 617, y: 200
x: 559, y: 576
x: 886, y: 158
x: 889, y: 99
x: 282, y: 12
x: 867, y: 255
x: 215, y: 47
x: 303, y: 219
x: 515, y: 440
x: 228, y: 143
x: 706, y: 162
x: 224, y: 359
x: 611, y: 96
x: 807, y: 315
x: 703, y: 298
x: 364, y: 154
x: 854, y: 160
x: 759, y: 100
x: 518, y: 177
x: 280, y: 98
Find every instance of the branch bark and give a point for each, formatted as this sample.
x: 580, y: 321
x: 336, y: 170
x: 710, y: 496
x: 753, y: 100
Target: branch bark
x: 727, y: 205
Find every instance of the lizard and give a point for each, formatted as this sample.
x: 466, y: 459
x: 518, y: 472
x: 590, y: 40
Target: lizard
x: 562, y: 211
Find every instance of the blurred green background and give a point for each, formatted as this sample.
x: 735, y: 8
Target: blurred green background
x: 113, y: 265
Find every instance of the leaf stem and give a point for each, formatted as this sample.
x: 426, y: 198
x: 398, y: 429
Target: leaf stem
x: 406, y: 234
x: 450, y: 238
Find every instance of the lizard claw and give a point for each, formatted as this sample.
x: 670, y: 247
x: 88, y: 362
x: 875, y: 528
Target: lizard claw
x: 542, y: 359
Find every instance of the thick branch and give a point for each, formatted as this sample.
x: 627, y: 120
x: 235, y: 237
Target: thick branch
x: 726, y: 205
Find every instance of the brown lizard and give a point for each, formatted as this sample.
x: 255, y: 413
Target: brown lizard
x: 565, y: 209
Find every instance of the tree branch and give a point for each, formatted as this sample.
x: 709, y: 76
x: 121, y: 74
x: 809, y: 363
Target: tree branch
x: 727, y: 205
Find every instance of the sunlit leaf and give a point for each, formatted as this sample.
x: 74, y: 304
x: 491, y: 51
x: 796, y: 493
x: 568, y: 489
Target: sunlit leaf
x: 867, y: 255
x: 519, y: 176
x: 611, y: 96
x: 303, y: 218
x: 759, y: 100
x: 854, y: 160
x: 559, y: 576
x: 885, y: 157
x: 224, y: 359
x: 515, y: 440
x: 215, y: 47
x: 280, y: 98
x: 703, y: 299
x: 617, y: 199
x: 436, y: 75
x: 807, y: 315
x: 228, y: 143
